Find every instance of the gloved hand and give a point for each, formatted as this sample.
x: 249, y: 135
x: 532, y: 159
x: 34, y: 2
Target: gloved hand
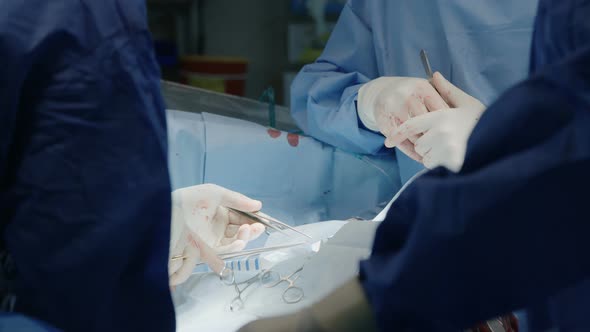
x: 202, y: 227
x: 346, y: 309
x: 444, y: 132
x: 385, y: 103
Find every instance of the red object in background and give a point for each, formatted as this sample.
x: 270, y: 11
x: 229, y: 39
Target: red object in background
x: 273, y: 133
x: 293, y: 139
x: 220, y: 74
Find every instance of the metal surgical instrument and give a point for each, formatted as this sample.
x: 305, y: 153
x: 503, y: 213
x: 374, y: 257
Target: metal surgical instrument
x: 268, y: 279
x: 268, y: 221
x: 292, y: 294
x: 238, y: 302
x: 245, y: 253
x: 426, y: 64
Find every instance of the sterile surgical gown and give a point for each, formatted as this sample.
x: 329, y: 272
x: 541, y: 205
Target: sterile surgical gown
x: 511, y: 229
x: 85, y: 192
x: 477, y: 44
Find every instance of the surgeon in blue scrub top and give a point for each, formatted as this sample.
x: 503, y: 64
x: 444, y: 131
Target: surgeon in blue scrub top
x: 364, y: 84
x: 508, y: 231
x: 85, y: 201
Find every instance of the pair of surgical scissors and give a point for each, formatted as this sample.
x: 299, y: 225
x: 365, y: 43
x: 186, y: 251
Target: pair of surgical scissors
x: 292, y: 294
x: 268, y: 221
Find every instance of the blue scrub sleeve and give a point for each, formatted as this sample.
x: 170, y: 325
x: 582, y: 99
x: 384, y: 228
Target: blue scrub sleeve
x: 509, y: 230
x: 324, y: 93
x: 15, y: 322
x: 85, y: 191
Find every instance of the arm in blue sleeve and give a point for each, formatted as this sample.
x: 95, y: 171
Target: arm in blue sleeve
x: 324, y: 93
x: 510, y: 230
x: 85, y: 196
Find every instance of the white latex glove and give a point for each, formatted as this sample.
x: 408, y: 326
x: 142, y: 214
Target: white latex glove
x: 445, y: 132
x: 202, y: 227
x: 385, y: 103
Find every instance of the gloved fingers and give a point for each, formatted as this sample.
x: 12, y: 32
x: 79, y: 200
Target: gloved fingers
x: 413, y: 138
x: 418, y: 125
x: 231, y: 230
x: 238, y: 201
x: 413, y: 128
x: 407, y: 148
x: 174, y: 266
x: 389, y: 123
x: 427, y: 161
x: 416, y: 107
x: 207, y: 254
x: 177, y: 250
x: 386, y: 122
x: 243, y: 233
x: 454, y: 96
x: 441, y: 157
x: 433, y: 159
x: 196, y: 251
x: 426, y: 143
x: 451, y: 158
x: 256, y: 230
x: 402, y: 114
x: 232, y: 246
x: 192, y: 256
x: 434, y: 102
x: 396, y: 138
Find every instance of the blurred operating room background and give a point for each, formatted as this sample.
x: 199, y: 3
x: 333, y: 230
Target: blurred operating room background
x: 262, y: 42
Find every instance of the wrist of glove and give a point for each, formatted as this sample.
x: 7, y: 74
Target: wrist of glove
x: 346, y: 309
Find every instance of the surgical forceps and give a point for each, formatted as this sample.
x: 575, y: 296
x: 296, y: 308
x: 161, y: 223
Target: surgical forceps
x: 238, y: 303
x: 268, y: 221
x: 268, y: 279
x: 292, y: 294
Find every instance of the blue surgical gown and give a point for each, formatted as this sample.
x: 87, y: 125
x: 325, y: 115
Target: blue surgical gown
x: 84, y: 185
x: 511, y: 229
x: 477, y: 44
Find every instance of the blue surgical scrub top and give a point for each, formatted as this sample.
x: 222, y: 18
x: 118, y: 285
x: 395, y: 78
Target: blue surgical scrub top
x: 479, y: 45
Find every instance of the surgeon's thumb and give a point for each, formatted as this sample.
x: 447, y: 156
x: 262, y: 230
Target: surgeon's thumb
x: 234, y: 200
x: 451, y: 94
